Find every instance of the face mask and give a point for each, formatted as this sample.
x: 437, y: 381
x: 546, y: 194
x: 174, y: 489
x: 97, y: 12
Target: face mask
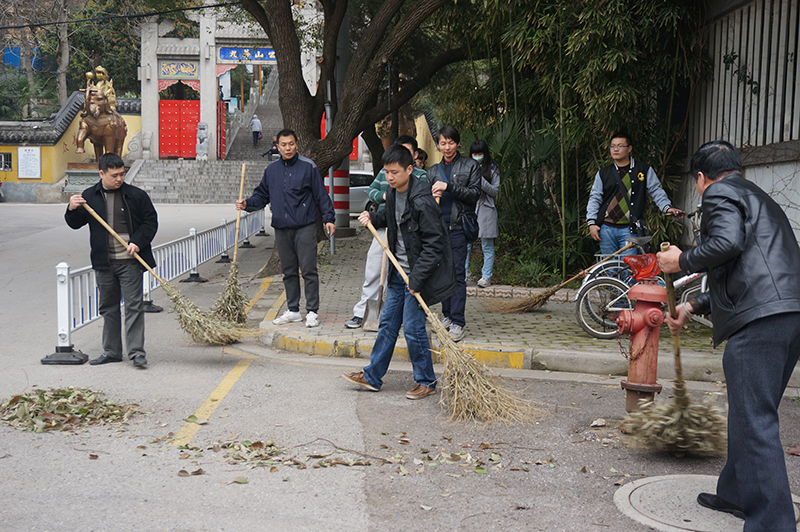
x: 478, y: 158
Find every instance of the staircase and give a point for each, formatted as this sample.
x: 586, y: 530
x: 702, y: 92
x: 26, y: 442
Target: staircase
x: 190, y: 181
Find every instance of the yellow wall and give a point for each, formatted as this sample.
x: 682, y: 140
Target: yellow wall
x: 55, y: 158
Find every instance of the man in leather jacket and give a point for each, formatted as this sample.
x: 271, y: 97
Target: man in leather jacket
x: 417, y: 237
x: 457, y: 187
x: 129, y: 211
x: 752, y: 257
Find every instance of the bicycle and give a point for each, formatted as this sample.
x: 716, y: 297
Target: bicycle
x: 604, y: 292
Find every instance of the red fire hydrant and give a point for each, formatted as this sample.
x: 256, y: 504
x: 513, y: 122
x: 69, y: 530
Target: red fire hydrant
x: 643, y: 324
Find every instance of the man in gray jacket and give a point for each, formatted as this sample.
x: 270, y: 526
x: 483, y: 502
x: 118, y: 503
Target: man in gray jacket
x: 751, y: 255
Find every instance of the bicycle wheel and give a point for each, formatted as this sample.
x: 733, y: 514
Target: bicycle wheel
x: 599, y: 304
x: 615, y: 268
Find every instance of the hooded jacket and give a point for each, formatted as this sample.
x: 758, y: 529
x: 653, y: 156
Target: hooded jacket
x: 427, y: 241
x: 142, y: 222
x: 751, y: 255
x: 294, y: 189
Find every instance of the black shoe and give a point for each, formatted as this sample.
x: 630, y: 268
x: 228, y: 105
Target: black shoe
x: 104, y: 359
x: 354, y: 322
x: 139, y: 361
x: 715, y: 502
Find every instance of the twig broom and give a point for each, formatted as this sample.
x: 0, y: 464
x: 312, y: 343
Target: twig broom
x: 679, y: 427
x: 232, y: 303
x: 202, y: 327
x: 469, y: 389
x: 536, y: 301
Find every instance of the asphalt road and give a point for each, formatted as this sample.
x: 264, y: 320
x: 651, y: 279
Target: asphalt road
x: 345, y: 459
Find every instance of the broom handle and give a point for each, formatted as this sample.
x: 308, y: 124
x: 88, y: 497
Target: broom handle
x: 583, y: 272
x: 391, y: 257
x: 119, y: 238
x: 679, y: 389
x: 239, y: 214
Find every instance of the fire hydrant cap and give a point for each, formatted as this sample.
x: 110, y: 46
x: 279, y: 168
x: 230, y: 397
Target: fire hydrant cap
x: 648, y: 292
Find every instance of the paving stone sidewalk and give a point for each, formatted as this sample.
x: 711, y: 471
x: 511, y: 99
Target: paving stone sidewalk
x: 546, y: 339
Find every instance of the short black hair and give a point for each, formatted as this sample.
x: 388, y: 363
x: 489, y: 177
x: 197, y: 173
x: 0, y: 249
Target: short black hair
x: 110, y: 160
x: 286, y: 133
x: 407, y: 139
x: 422, y: 154
x: 714, y: 159
x: 448, y: 132
x: 397, y: 154
x: 622, y: 135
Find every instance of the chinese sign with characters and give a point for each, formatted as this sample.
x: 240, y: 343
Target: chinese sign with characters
x: 251, y: 55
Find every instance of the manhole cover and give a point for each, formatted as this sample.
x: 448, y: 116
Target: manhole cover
x: 669, y: 503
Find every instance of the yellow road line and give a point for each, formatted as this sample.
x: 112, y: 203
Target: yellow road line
x: 185, y: 435
x: 273, y: 312
x: 261, y: 291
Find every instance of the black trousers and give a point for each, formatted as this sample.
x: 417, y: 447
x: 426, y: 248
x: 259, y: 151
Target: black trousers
x: 297, y: 248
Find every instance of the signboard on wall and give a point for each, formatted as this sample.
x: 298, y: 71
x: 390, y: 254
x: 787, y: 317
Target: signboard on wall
x: 29, y: 162
x: 238, y: 54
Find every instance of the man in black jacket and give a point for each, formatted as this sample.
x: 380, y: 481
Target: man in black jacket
x: 457, y: 186
x: 129, y: 211
x: 418, y: 238
x: 751, y: 255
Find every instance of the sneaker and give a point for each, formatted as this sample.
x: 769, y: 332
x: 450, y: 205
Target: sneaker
x: 357, y: 377
x: 287, y: 317
x: 312, y: 319
x: 354, y: 322
x: 456, y: 332
x: 419, y: 391
x: 447, y: 322
x: 483, y: 282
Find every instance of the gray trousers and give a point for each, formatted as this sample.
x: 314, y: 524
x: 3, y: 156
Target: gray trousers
x: 758, y: 362
x: 121, y: 281
x: 297, y: 248
x: 372, y: 275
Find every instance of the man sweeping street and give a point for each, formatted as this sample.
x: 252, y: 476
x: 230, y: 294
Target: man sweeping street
x: 750, y: 252
x: 294, y: 189
x: 129, y: 211
x: 417, y: 236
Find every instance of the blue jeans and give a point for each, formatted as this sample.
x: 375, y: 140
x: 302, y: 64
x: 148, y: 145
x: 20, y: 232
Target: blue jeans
x: 401, y: 308
x: 613, y: 239
x: 453, y: 307
x: 487, y: 245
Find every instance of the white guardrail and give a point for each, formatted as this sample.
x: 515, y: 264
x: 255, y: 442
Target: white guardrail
x: 77, y: 292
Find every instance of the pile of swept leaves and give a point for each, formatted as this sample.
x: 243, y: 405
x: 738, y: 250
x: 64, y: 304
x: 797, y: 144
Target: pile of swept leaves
x: 64, y: 409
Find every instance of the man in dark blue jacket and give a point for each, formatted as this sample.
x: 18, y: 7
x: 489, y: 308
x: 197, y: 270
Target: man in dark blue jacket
x: 417, y: 236
x: 294, y: 189
x: 751, y: 255
x: 129, y: 211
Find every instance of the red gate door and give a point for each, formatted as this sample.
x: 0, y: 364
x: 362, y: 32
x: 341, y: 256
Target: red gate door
x: 222, y: 114
x: 177, y: 129
x: 169, y: 128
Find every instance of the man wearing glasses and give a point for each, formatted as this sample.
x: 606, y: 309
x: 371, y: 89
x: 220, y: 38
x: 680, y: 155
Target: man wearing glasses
x: 619, y: 196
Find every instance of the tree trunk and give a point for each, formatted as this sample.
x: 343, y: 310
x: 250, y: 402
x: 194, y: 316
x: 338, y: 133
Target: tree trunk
x: 63, y: 54
x: 27, y: 64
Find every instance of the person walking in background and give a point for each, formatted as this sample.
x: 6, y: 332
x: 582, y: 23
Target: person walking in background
x: 456, y: 184
x: 129, y: 211
x: 485, y: 208
x: 372, y: 269
x: 417, y: 237
x: 294, y: 189
x: 618, y: 198
x: 255, y: 127
x: 750, y: 251
x: 421, y: 159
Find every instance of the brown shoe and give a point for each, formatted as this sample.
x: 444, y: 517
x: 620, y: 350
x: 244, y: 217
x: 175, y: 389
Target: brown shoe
x: 419, y: 391
x: 357, y: 377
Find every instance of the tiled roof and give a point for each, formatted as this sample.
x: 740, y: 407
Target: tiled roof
x: 47, y: 132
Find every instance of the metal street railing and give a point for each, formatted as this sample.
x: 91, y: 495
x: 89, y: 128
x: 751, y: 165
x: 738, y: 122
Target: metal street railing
x: 77, y: 294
